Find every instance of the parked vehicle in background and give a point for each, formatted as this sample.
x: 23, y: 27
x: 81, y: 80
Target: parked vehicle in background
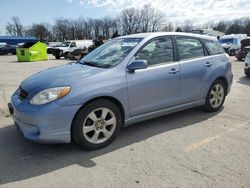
x: 231, y: 43
x: 244, y: 49
x: 126, y: 80
x: 7, y: 49
x: 13, y: 40
x: 66, y: 47
x: 242, y: 53
x: 247, y: 65
x: 51, y: 45
x: 81, y: 52
x: 2, y: 44
x: 78, y: 53
x: 209, y: 32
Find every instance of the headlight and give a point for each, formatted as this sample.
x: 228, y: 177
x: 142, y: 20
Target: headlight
x: 48, y: 95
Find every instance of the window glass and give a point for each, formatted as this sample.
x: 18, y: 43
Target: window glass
x: 73, y: 44
x: 213, y: 47
x: 157, y: 51
x: 189, y: 48
x: 112, y: 52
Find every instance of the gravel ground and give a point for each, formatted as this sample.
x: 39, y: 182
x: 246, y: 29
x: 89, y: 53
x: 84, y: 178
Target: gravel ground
x: 185, y: 149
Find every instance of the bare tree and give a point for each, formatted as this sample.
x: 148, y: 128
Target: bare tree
x: 130, y: 21
x: 146, y: 18
x: 14, y: 28
x: 187, y: 25
x: 168, y: 27
x: 61, y: 29
x: 209, y: 25
x: 156, y: 22
x: 42, y: 31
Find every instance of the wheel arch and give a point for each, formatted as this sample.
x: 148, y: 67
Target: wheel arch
x: 112, y: 99
x: 222, y: 78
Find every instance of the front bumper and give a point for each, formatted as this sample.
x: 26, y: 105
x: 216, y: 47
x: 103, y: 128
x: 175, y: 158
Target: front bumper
x: 49, y: 123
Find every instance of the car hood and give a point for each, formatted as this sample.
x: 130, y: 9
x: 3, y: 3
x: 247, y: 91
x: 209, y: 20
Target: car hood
x: 64, y: 75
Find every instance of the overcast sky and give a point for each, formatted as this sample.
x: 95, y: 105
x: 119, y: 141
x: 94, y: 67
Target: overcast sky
x: 200, y: 11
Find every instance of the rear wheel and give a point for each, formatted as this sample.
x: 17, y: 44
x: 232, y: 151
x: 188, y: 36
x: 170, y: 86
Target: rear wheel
x: 96, y: 124
x: 215, y: 96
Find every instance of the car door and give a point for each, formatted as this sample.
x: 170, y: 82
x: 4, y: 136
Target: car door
x: 195, y: 68
x: 157, y: 86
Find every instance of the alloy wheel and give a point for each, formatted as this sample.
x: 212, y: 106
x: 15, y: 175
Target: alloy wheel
x: 99, y: 125
x: 217, y: 95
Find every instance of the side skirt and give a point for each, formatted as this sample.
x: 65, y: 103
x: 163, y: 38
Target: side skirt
x: 158, y: 113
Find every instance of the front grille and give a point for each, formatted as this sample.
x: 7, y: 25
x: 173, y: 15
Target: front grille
x: 22, y: 94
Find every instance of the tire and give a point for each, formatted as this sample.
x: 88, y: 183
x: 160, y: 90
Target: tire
x: 215, y: 97
x: 66, y: 55
x: 58, y: 57
x: 247, y: 72
x: 99, y: 131
x: 232, y: 52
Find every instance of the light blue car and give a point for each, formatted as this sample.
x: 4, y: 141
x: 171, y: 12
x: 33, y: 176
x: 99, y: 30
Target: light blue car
x: 126, y: 80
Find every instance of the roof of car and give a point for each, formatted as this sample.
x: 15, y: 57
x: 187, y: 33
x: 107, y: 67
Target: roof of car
x: 157, y: 34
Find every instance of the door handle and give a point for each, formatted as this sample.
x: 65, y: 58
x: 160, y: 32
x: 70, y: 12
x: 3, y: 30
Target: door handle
x: 173, y: 71
x: 208, y: 64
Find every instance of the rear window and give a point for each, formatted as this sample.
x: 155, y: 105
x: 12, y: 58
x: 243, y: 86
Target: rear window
x: 213, y: 47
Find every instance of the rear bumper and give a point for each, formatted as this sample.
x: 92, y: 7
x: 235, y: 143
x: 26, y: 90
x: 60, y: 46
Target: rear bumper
x: 49, y: 123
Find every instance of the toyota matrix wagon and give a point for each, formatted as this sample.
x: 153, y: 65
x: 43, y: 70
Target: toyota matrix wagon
x: 126, y: 80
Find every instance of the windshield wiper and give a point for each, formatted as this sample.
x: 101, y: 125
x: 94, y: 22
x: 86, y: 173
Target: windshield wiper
x: 93, y: 64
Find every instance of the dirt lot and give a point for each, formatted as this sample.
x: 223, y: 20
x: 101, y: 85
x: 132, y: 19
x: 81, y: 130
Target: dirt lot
x: 185, y: 149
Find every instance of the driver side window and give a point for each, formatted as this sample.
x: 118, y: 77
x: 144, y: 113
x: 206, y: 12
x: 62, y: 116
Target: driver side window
x: 157, y: 51
x: 73, y: 44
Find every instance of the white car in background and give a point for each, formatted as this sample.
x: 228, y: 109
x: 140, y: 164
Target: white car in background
x: 69, y: 46
x: 247, y: 65
x: 231, y: 43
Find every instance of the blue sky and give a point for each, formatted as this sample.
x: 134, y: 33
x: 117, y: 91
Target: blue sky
x: 36, y: 11
x: 200, y: 11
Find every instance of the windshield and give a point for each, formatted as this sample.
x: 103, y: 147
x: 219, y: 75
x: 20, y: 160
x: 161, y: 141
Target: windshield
x: 247, y: 49
x: 65, y: 44
x: 110, y: 53
x: 226, y: 41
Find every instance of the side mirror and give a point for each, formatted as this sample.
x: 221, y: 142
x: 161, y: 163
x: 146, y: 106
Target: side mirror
x: 137, y: 64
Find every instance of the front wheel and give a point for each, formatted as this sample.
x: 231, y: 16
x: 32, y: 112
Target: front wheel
x: 216, y: 96
x: 232, y: 52
x: 96, y: 124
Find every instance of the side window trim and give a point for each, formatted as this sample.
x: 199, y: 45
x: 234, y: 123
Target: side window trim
x: 155, y: 38
x: 206, y: 51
